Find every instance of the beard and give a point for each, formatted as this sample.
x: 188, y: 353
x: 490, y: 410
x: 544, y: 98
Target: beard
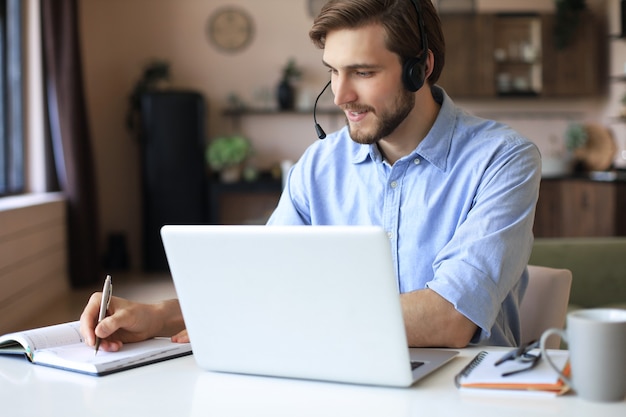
x: 386, y: 122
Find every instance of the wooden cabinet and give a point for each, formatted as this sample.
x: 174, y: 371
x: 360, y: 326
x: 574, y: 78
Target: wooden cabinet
x: 495, y: 55
x: 579, y: 207
x: 469, y: 69
x: 243, y: 202
x: 576, y: 70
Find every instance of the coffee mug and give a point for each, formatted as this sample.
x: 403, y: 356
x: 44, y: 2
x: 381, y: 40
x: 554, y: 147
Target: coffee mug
x: 596, y: 339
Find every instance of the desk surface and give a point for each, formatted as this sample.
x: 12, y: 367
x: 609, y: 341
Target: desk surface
x: 179, y: 388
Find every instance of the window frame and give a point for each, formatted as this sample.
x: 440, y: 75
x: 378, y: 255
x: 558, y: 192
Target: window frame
x: 12, y: 159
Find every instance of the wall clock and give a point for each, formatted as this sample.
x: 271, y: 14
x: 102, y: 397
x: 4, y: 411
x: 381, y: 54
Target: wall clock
x: 230, y: 29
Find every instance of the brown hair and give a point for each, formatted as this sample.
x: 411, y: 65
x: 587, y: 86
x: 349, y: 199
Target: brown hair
x: 399, y: 19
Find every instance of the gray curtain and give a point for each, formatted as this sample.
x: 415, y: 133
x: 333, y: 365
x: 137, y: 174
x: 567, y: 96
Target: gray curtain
x: 69, y: 134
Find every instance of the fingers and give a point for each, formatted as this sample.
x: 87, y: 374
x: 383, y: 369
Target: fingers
x: 110, y: 345
x: 181, y: 337
x: 108, y: 326
x: 90, y: 328
x: 129, y: 321
x: 89, y: 319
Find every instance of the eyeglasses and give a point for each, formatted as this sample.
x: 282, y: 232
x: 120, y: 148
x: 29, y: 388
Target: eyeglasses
x: 521, y: 354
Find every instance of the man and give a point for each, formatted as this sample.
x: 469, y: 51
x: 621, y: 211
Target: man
x: 456, y: 193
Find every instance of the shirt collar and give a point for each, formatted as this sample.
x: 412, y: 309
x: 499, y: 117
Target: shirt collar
x: 435, y: 146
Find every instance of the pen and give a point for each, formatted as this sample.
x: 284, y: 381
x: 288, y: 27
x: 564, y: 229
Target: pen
x: 519, y: 353
x: 107, y: 291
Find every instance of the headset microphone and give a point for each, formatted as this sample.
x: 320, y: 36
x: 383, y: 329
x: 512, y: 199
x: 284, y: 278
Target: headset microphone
x: 320, y: 132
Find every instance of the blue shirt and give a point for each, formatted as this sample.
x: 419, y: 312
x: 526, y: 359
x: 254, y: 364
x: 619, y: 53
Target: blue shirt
x: 458, y: 210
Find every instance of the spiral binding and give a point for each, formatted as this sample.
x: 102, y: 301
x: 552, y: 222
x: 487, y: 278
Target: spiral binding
x: 470, y: 367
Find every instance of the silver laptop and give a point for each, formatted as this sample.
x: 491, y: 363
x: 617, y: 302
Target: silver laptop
x: 315, y: 303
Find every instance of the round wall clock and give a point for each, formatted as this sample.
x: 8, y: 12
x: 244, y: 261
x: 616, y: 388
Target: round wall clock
x: 230, y: 29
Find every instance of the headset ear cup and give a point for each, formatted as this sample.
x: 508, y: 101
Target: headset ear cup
x: 413, y: 74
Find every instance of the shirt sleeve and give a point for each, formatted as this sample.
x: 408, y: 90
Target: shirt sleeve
x: 489, y: 251
x: 286, y: 212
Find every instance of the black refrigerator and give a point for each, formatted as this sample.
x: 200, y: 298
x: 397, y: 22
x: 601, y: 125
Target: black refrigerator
x: 174, y: 179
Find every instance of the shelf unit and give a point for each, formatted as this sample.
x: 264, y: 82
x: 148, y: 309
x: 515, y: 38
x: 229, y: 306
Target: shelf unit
x: 621, y: 78
x: 517, y: 55
x: 514, y: 55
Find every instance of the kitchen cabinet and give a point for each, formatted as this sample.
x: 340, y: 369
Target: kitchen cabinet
x: 504, y: 55
x: 580, y: 207
x: 578, y: 69
x: 469, y: 66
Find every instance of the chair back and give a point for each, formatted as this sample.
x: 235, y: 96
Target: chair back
x: 545, y: 302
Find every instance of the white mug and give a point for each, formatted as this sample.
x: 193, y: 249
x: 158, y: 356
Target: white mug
x: 596, y: 340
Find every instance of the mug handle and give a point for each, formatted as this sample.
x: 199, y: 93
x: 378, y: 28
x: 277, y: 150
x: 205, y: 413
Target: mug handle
x: 544, y: 353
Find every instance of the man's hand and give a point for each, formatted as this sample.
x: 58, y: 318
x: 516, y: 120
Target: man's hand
x: 129, y: 321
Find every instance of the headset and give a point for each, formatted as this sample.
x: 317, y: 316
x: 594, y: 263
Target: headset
x: 413, y: 69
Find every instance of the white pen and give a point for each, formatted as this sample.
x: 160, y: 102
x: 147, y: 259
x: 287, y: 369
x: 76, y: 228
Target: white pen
x: 107, y: 291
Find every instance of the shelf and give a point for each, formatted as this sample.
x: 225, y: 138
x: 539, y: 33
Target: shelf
x: 243, y: 202
x: 518, y: 62
x: 276, y: 112
x: 265, y: 183
x: 518, y: 94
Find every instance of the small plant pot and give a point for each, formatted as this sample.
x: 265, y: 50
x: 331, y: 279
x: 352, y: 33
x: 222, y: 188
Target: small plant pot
x: 231, y: 174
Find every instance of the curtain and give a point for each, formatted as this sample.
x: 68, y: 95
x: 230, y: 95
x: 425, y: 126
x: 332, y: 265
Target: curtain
x: 69, y: 134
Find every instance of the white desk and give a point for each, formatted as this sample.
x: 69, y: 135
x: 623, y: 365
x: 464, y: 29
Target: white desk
x: 179, y: 388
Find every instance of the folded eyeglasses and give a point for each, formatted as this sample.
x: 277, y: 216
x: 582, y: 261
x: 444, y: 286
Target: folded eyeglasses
x: 521, y: 354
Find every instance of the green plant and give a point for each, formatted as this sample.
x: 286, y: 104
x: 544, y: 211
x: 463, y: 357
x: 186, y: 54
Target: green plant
x: 291, y: 71
x: 575, y: 136
x: 227, y: 151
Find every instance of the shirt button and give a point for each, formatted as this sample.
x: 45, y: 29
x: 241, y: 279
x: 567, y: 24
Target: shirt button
x: 390, y: 235
x: 417, y: 161
x: 393, y: 184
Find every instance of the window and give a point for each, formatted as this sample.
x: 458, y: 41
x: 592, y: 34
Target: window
x: 11, y: 111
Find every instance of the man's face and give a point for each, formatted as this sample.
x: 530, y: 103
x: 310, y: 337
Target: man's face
x: 367, y: 82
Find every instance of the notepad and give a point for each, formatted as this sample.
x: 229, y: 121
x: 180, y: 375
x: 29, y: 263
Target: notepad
x: 62, y: 346
x: 482, y: 374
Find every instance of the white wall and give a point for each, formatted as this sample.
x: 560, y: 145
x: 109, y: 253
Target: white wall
x: 120, y: 36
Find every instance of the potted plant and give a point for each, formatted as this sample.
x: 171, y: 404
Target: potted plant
x: 154, y: 73
x: 285, y: 93
x: 576, y: 137
x: 562, y: 155
x: 226, y: 155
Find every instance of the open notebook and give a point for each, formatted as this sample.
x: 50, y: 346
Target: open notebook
x: 291, y: 301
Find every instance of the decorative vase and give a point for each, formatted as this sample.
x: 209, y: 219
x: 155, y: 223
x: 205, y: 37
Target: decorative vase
x: 231, y: 174
x: 556, y: 166
x: 285, y: 95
